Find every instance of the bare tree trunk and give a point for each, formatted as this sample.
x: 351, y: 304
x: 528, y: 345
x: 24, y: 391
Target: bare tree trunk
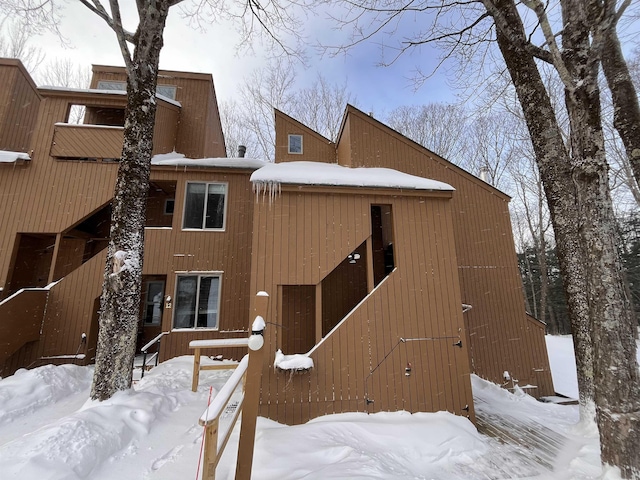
x: 613, y: 325
x: 560, y: 191
x: 626, y: 111
x: 119, y: 304
x: 577, y: 191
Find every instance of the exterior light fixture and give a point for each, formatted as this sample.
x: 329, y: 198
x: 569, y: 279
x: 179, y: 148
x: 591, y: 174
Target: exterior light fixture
x: 353, y: 257
x: 256, y: 340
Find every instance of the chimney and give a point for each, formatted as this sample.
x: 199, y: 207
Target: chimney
x: 241, y: 151
x: 484, y: 174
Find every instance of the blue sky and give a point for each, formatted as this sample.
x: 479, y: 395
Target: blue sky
x: 377, y: 89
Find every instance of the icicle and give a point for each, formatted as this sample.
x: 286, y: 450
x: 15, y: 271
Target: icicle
x: 270, y: 188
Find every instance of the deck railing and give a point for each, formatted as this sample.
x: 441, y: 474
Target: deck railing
x: 250, y: 370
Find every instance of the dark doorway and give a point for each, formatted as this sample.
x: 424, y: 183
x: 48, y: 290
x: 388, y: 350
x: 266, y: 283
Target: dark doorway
x: 382, y: 241
x: 151, y: 308
x: 298, y: 318
x: 33, y: 254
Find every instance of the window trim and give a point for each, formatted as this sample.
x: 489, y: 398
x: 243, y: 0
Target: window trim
x: 291, y: 135
x: 204, y: 215
x: 199, y: 274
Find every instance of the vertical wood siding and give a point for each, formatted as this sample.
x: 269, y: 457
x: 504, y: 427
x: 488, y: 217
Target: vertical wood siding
x: 168, y: 251
x: 502, y: 338
x: 315, y: 147
x: 19, y: 103
x: 363, y: 357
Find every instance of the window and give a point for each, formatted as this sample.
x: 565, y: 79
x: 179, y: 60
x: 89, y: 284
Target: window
x: 153, y: 302
x: 168, y: 91
x: 197, y: 301
x: 204, y: 206
x: 109, y: 85
x: 295, y: 144
x: 169, y: 205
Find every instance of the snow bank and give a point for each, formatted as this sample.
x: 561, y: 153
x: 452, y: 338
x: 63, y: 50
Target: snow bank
x: 152, y: 432
x: 356, y: 445
x: 316, y: 173
x: 28, y: 390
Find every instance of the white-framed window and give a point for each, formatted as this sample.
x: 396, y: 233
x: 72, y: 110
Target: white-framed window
x: 295, y: 144
x: 204, y: 206
x: 197, y: 300
x: 153, y: 302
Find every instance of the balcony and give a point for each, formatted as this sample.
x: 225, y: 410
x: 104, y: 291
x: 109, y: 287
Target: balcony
x: 99, y: 135
x: 87, y: 142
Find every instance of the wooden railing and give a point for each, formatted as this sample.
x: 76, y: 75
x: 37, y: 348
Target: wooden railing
x: 249, y: 369
x: 86, y: 141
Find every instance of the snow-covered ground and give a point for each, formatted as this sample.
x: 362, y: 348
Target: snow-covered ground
x: 48, y: 430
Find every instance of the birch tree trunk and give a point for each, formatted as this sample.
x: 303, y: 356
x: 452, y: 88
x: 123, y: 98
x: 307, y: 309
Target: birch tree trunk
x: 613, y: 324
x: 119, y: 304
x: 626, y: 111
x: 577, y: 190
x: 560, y: 191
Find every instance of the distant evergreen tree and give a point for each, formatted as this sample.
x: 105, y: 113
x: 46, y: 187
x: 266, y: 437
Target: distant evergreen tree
x: 557, y: 315
x: 629, y: 229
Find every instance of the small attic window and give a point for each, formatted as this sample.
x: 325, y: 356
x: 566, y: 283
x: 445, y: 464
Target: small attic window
x: 111, y: 85
x: 168, y: 91
x: 295, y: 144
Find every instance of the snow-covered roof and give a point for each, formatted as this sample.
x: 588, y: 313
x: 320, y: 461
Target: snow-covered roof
x: 102, y: 92
x: 179, y: 160
x: 12, y: 157
x: 315, y: 173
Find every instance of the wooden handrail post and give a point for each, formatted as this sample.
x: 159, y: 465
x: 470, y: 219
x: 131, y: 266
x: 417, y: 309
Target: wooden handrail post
x: 252, y: 389
x: 210, y: 451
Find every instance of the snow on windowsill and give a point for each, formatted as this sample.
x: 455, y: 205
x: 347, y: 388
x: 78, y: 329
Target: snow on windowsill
x: 293, y: 363
x: 7, y: 156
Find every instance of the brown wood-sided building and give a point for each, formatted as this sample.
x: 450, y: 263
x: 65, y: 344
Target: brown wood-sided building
x: 368, y: 270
